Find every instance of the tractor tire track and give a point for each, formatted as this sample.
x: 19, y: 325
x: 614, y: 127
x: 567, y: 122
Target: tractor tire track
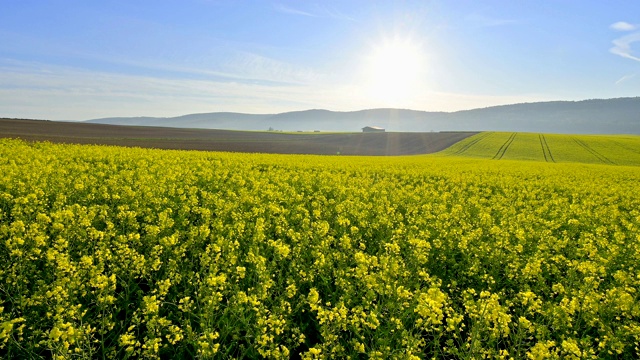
x: 599, y: 156
x: 503, y: 149
x: 545, y: 145
x: 471, y: 143
x: 628, y: 148
x: 544, y: 152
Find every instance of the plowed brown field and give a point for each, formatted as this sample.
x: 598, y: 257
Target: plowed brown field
x: 389, y: 143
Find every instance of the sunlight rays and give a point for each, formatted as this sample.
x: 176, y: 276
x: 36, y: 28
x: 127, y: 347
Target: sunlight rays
x: 394, y: 70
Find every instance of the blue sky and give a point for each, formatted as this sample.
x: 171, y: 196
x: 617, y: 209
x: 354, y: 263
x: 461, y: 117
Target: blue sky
x: 77, y: 60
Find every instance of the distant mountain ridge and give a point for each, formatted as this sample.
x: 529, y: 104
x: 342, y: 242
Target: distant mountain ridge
x: 596, y: 116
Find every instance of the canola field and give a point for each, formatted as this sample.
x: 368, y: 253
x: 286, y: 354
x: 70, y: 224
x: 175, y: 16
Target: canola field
x: 112, y: 252
x: 593, y: 149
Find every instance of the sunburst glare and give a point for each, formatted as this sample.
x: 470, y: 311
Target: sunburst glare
x: 394, y: 71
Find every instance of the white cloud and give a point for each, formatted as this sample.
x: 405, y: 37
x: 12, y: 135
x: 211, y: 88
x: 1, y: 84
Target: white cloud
x: 64, y: 93
x: 622, y: 46
x: 625, y: 78
x: 253, y: 67
x: 333, y: 13
x: 44, y: 91
x: 319, y: 11
x: 623, y: 26
x: 289, y: 10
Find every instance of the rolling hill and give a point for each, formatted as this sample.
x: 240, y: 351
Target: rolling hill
x: 598, y: 116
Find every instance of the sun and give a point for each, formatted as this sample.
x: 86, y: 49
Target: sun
x: 394, y: 70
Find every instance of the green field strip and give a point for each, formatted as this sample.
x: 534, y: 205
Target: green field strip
x: 630, y: 149
x: 565, y: 149
x: 596, y: 149
x: 544, y: 152
x: 548, y: 154
x: 466, y: 145
x: 624, y: 155
x: 617, y: 149
x: 503, y: 149
x: 601, y: 157
x: 524, y: 146
x: 553, y: 148
x: 488, y: 146
x: 482, y: 145
x: 631, y: 144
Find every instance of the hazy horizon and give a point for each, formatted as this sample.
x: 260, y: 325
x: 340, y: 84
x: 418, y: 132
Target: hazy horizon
x: 69, y: 60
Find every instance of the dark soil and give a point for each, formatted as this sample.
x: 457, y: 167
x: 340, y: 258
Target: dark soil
x: 389, y: 143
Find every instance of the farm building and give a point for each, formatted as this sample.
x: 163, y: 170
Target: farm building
x: 369, y: 129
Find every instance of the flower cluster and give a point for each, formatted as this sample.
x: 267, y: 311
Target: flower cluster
x: 116, y: 253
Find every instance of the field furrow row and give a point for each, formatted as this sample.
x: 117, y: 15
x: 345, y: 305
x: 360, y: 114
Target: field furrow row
x: 552, y: 148
x: 546, y: 144
x: 468, y: 144
x: 503, y: 149
x: 544, y: 151
x: 593, y: 152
